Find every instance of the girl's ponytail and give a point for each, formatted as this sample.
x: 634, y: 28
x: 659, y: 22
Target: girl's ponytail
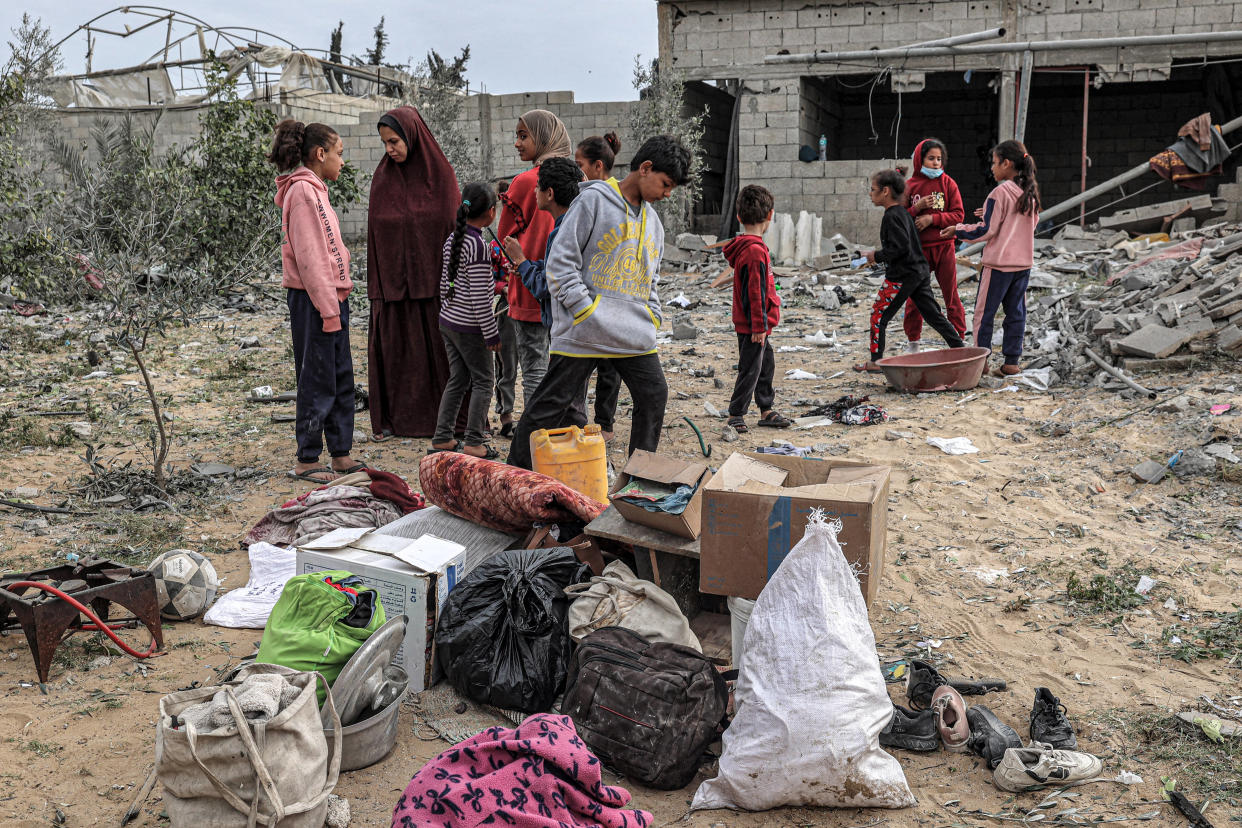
x: 601, y: 148
x: 1015, y: 153
x: 476, y: 199
x: 294, y: 140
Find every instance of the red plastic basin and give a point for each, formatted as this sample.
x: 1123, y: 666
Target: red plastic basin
x: 953, y: 369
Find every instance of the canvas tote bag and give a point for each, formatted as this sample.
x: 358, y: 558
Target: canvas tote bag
x: 275, y: 772
x: 619, y: 598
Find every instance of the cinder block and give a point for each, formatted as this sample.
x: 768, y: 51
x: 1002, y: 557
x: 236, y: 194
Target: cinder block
x: 780, y: 20
x: 704, y: 41
x: 562, y: 97
x: 721, y: 57
x: 733, y: 39
x: 1069, y: 22
x: 747, y: 21
x: 752, y: 153
x: 783, y: 119
x: 1222, y: 13
x: 765, y: 37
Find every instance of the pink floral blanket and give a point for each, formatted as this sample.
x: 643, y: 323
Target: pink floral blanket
x: 540, y: 775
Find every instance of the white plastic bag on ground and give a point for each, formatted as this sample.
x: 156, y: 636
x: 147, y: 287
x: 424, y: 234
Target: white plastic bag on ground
x: 249, y: 607
x: 810, y: 700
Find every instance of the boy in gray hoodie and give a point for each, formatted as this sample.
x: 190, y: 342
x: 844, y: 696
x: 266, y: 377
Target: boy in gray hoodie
x: 602, y: 271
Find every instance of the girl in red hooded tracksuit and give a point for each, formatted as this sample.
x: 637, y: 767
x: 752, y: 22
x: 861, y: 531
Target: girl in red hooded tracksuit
x: 935, y: 203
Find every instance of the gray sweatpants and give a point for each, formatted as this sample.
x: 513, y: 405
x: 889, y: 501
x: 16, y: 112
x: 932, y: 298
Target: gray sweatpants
x: 529, y: 351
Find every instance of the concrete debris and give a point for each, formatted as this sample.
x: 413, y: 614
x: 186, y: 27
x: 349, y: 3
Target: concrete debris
x: 1149, y: 471
x: 1195, y: 462
x: 683, y: 327
x: 1152, y: 303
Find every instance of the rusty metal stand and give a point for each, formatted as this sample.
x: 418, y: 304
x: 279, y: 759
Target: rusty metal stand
x: 48, y: 620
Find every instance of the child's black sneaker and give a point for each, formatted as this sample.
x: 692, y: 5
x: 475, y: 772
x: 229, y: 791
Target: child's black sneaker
x: 921, y: 681
x: 989, y: 736
x: 1049, y: 723
x: 910, y: 730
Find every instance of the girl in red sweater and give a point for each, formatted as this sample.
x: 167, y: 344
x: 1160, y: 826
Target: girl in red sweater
x: 935, y: 203
x: 540, y: 135
x: 315, y: 265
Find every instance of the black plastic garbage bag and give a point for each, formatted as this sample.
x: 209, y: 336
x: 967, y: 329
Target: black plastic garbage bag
x: 503, y: 636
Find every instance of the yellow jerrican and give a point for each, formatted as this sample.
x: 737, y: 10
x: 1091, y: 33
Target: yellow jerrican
x: 621, y: 265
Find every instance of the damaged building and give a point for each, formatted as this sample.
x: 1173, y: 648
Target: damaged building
x: 1094, y: 88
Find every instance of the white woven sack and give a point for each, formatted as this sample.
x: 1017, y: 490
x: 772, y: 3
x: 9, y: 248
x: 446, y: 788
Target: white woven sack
x: 810, y: 699
x: 619, y: 598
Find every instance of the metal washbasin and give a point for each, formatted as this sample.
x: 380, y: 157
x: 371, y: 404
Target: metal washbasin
x: 952, y: 369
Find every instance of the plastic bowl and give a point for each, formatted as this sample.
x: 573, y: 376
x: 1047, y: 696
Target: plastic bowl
x: 954, y: 369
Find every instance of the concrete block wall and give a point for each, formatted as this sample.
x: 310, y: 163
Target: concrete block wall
x: 730, y: 38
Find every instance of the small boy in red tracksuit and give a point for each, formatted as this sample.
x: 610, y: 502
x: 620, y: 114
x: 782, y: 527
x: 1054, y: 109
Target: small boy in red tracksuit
x: 935, y: 203
x: 756, y: 311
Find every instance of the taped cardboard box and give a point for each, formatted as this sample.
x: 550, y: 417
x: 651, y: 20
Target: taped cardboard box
x: 668, y: 471
x: 756, y: 507
x: 413, y: 577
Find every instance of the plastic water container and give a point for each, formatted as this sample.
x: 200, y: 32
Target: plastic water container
x: 575, y: 456
x: 739, y: 614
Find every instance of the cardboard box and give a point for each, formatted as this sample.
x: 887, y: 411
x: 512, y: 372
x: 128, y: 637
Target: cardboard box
x: 412, y: 576
x: 756, y: 507
x: 647, y: 465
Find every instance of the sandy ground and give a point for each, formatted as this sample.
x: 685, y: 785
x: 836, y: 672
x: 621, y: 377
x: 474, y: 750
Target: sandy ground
x: 980, y: 548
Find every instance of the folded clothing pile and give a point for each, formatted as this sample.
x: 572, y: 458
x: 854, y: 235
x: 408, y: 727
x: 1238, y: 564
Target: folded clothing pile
x: 260, y: 698
x: 367, y: 498
x: 656, y: 497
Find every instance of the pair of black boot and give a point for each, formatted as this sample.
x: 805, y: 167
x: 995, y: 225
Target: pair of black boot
x: 915, y: 729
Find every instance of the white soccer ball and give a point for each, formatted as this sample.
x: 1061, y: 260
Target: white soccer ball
x: 186, y: 582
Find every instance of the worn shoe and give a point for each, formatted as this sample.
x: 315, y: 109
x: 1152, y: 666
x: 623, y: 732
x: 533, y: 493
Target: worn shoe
x: 951, y: 722
x: 1049, y: 724
x: 921, y: 681
x: 989, y: 736
x: 1030, y: 767
x: 910, y: 730
x: 913, y: 346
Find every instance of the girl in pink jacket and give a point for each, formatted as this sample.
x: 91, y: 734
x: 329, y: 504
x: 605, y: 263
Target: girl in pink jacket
x: 315, y: 265
x: 1008, y: 228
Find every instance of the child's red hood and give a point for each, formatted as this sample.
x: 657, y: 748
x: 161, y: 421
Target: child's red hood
x: 918, y: 160
x: 738, y: 246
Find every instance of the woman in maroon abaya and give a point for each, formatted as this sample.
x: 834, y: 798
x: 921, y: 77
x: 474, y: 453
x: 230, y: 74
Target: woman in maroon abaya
x: 414, y: 199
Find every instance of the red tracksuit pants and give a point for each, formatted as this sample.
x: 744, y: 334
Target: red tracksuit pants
x: 942, y: 258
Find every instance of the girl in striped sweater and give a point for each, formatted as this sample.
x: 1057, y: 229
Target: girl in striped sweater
x: 467, y: 324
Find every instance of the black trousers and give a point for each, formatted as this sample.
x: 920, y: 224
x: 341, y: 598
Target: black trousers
x: 893, y: 296
x: 756, y: 366
x: 553, y: 403
x: 607, y: 392
x: 325, y: 376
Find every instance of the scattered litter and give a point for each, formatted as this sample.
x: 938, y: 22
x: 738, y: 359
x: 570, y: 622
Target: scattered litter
x: 953, y: 445
x: 791, y: 349
x: 1222, y: 451
x: 1040, y: 379
x: 712, y: 411
x: 97, y: 375
x: 263, y: 392
x: 1128, y: 778
x: 1144, y: 585
x: 799, y: 374
x: 850, y: 410
x: 989, y: 576
x: 1170, y: 604
x: 1219, y: 409
x: 680, y: 300
x: 822, y: 339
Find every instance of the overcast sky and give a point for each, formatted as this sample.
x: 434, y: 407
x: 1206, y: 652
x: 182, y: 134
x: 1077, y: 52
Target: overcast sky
x: 538, y: 45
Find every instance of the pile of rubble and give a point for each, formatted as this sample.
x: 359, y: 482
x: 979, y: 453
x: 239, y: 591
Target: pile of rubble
x: 1159, y: 301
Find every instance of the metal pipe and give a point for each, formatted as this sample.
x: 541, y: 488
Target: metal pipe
x: 1098, y: 190
x: 1007, y: 48
x: 1086, y: 97
x: 1024, y: 96
x: 957, y: 40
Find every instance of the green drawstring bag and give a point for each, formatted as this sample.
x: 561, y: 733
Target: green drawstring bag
x: 316, y: 626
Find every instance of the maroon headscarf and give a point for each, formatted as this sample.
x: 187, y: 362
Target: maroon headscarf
x: 413, y: 208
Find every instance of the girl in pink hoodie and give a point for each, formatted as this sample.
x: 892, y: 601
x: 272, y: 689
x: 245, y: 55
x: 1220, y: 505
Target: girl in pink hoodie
x: 315, y: 265
x: 1009, y: 217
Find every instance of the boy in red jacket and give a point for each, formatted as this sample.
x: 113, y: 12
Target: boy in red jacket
x: 756, y: 311
x: 935, y: 203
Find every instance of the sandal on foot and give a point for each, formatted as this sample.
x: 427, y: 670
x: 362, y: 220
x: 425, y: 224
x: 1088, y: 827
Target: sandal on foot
x: 309, y: 478
x: 456, y: 447
x: 506, y: 430
x: 774, y: 420
x: 491, y: 454
x: 356, y: 467
x: 382, y: 437
x: 738, y: 425
x: 863, y: 369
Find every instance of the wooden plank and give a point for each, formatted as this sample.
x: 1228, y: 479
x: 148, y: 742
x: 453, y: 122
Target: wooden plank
x: 612, y: 526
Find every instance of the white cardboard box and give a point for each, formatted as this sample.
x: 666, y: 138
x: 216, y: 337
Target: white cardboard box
x: 414, y: 585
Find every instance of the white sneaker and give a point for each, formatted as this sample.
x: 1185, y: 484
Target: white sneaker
x: 1038, y: 764
x: 913, y: 347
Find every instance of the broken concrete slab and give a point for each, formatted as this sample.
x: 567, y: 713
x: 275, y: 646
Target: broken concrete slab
x: 690, y: 241
x: 1149, y: 366
x: 1154, y: 341
x: 1149, y: 471
x: 1150, y: 218
x: 1195, y: 462
x: 1229, y: 339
